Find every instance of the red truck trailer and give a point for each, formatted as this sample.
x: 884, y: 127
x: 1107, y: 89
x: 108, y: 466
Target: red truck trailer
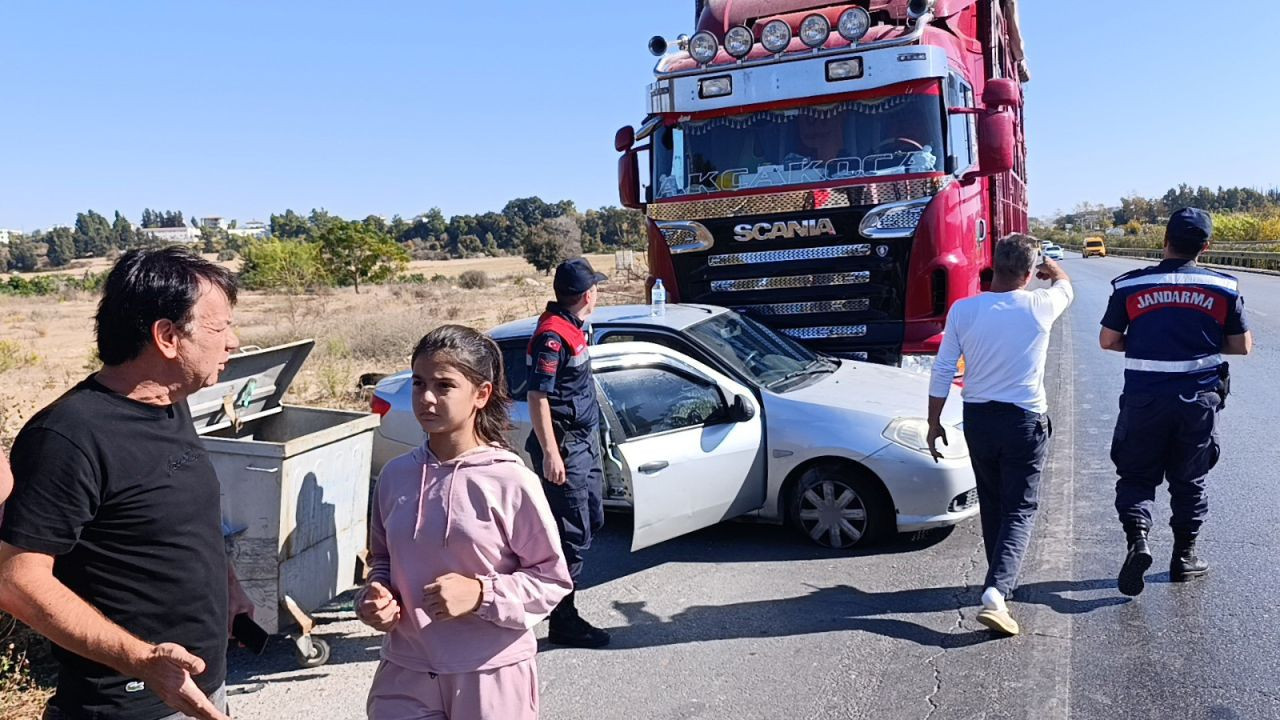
x: 838, y: 172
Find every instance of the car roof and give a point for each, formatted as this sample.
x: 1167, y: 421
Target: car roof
x: 677, y: 317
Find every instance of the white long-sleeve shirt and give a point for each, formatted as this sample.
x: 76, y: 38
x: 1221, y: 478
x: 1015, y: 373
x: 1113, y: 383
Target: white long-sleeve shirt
x: 1004, y: 338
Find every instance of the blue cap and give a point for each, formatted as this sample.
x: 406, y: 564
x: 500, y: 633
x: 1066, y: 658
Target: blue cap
x: 1189, y: 226
x: 576, y: 276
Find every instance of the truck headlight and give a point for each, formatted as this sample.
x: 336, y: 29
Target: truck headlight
x: 703, y: 47
x: 776, y: 36
x: 894, y: 220
x: 854, y: 24
x: 738, y: 41
x: 913, y: 434
x: 815, y: 30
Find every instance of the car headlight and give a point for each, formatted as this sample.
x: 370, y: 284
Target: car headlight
x: 894, y: 220
x: 913, y: 434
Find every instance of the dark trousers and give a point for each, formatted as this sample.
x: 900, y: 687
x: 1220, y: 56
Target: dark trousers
x: 1007, y: 446
x: 578, y: 504
x: 1159, y: 437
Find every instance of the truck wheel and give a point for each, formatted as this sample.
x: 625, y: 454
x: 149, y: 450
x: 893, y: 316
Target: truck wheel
x: 838, y: 507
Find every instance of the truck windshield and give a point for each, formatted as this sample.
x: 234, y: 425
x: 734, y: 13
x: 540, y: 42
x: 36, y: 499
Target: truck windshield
x: 873, y: 137
x: 756, y: 351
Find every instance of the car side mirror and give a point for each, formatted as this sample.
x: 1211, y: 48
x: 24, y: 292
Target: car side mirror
x: 742, y: 409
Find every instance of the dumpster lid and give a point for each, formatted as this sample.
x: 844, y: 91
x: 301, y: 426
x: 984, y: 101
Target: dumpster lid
x: 250, y: 387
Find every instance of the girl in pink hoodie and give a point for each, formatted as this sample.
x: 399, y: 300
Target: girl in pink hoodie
x: 465, y: 558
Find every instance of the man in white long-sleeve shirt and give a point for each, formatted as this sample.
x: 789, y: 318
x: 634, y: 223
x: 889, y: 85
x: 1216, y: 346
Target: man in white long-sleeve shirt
x: 1003, y: 336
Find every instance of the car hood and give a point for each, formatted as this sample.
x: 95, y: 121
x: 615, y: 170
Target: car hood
x: 872, y: 389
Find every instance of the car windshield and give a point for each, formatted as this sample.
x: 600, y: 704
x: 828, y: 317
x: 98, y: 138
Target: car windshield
x: 872, y: 137
x: 772, y: 360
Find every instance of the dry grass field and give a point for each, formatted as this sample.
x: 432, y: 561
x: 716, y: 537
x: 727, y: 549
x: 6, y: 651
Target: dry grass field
x: 47, y: 345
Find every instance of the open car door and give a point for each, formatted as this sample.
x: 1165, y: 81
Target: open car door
x: 690, y: 440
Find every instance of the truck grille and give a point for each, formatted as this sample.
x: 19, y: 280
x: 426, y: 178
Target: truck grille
x: 838, y: 292
x: 798, y: 254
x: 790, y: 281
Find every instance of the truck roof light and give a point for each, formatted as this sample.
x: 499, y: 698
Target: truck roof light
x: 703, y: 47
x: 815, y: 30
x: 854, y: 24
x: 738, y: 41
x: 776, y: 36
x: 658, y: 45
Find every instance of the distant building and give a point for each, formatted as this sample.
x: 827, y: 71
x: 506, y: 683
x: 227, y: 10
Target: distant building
x: 7, y: 235
x: 253, y: 228
x: 212, y: 222
x: 177, y: 235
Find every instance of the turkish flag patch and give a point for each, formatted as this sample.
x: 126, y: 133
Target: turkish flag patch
x: 553, y: 345
x: 548, y: 363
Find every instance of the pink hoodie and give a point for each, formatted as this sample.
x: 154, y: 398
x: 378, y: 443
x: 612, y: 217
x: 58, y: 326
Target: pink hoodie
x: 482, y: 514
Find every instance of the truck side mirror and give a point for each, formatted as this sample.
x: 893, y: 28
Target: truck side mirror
x: 742, y: 409
x: 1001, y: 92
x: 629, y: 180
x: 997, y: 143
x: 624, y: 138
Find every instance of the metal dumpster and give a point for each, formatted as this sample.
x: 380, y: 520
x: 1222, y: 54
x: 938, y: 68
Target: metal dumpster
x: 295, y: 489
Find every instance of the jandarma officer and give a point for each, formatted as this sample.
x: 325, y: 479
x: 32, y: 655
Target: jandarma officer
x: 565, y: 443
x: 1174, y: 322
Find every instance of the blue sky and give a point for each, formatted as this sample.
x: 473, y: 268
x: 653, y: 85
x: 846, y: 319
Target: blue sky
x: 243, y: 108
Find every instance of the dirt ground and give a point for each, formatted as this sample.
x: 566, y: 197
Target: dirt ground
x: 47, y: 343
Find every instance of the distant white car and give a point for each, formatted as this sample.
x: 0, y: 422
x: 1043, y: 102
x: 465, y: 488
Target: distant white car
x: 709, y: 415
x: 1053, y: 252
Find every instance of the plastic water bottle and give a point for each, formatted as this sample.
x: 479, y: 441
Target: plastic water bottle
x: 658, y: 299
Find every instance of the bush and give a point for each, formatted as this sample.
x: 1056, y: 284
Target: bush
x: 227, y: 255
x: 473, y: 280
x: 13, y: 356
x: 289, y: 266
x: 39, y: 285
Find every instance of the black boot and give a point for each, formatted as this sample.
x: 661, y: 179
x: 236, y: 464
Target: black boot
x: 1137, y: 561
x: 568, y: 628
x: 1185, y: 564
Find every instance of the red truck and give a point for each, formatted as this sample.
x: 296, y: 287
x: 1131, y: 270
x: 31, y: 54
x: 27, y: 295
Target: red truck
x: 838, y: 172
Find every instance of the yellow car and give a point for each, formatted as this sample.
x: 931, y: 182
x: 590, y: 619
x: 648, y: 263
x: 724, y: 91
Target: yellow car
x: 1094, y: 246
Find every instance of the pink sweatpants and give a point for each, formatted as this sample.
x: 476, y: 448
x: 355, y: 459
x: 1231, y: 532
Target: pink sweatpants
x: 506, y: 693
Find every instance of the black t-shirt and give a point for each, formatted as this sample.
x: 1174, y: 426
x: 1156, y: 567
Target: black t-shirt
x: 123, y: 495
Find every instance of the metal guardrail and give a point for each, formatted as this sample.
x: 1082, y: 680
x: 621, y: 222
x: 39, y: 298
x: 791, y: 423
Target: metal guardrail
x: 1246, y: 259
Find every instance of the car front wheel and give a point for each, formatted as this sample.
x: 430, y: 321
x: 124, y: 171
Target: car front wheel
x: 837, y: 507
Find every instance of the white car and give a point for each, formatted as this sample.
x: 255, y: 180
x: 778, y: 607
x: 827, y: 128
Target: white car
x: 709, y: 415
x: 1052, y: 251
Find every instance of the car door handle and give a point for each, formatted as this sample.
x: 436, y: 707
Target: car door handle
x: 653, y: 467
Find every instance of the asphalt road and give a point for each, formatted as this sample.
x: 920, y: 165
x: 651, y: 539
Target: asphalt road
x: 745, y: 621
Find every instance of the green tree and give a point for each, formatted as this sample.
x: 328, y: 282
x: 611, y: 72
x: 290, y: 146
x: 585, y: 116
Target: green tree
x: 93, y: 236
x: 23, y: 256
x: 290, y: 226
x: 122, y: 235
x: 352, y: 253
x: 289, y: 266
x: 552, y: 242
x: 62, y: 246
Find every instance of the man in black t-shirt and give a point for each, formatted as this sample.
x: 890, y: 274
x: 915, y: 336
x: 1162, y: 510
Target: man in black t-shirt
x: 111, y: 544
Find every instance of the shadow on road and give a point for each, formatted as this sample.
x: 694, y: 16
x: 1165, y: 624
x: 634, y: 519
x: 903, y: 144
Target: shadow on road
x: 838, y: 608
x: 610, y: 556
